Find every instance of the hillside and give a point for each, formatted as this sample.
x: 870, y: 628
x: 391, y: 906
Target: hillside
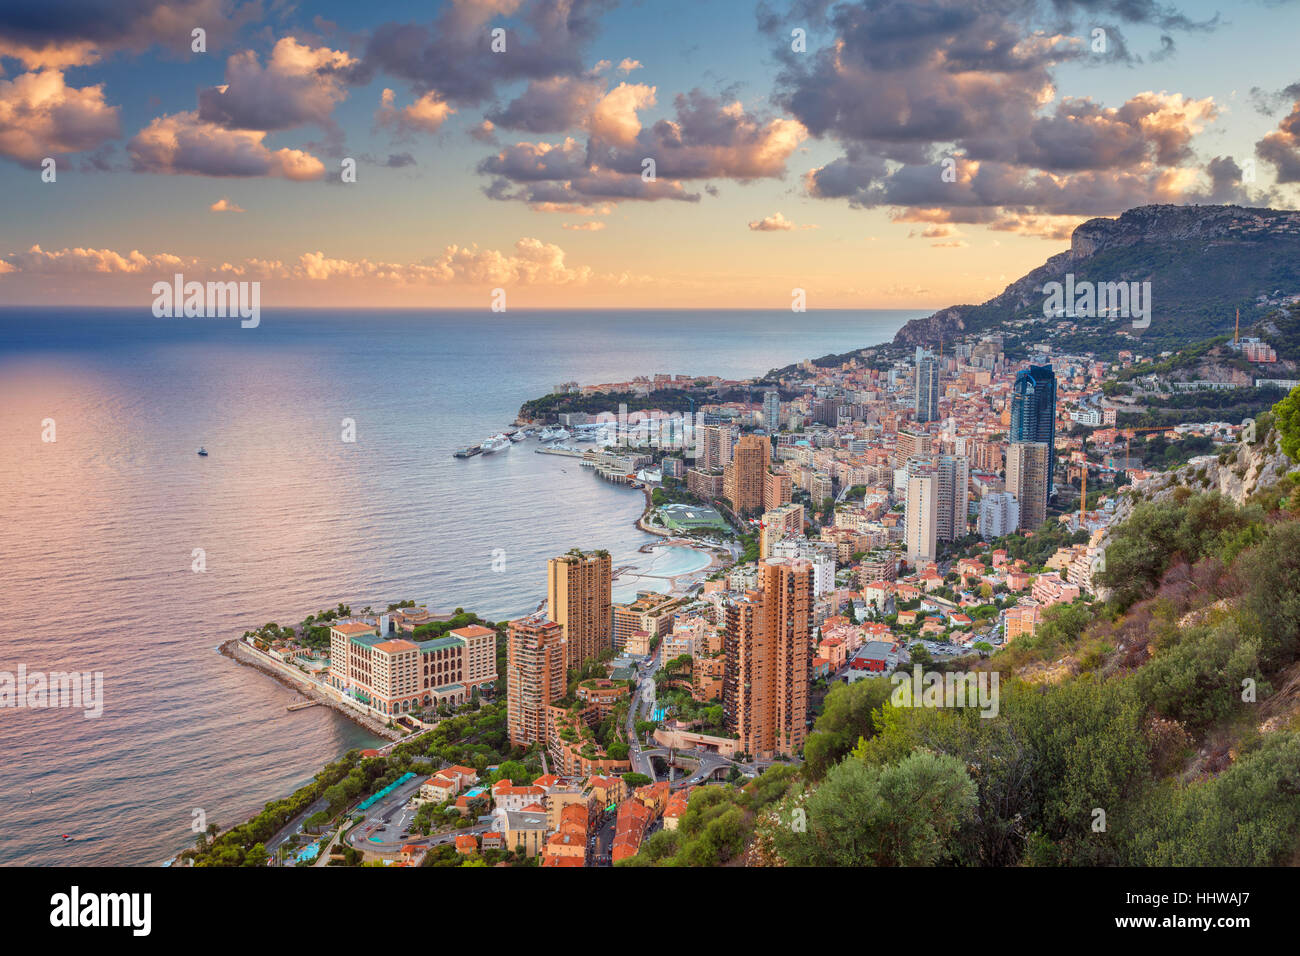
x: 1157, y: 727
x: 1203, y: 262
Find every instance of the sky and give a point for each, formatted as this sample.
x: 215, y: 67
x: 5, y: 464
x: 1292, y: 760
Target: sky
x: 598, y: 154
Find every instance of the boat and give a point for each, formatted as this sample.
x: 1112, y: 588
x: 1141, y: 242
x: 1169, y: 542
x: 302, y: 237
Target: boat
x: 495, y: 444
x: 517, y: 436
x: 557, y: 433
x: 203, y: 452
x: 469, y: 451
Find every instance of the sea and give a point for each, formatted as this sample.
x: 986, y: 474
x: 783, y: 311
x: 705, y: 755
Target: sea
x: 124, y: 553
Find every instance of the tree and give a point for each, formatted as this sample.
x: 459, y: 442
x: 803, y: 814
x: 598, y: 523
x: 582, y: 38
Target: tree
x: 846, y: 716
x: 903, y: 814
x: 636, y: 779
x: 1286, y: 416
x: 1272, y: 575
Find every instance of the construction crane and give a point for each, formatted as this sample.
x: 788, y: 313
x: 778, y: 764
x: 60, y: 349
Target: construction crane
x: 1130, y: 432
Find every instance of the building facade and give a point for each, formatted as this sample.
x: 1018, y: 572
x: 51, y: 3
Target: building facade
x: 579, y: 588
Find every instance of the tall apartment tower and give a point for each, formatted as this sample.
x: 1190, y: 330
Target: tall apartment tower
x: 579, y: 595
x: 535, y: 677
x: 953, y: 472
x: 742, y: 481
x: 1029, y: 469
x: 772, y: 411
x: 768, y: 646
x: 927, y: 386
x: 921, y: 517
x: 718, y: 447
x: 1033, y: 412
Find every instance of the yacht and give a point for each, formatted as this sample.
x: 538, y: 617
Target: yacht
x: 517, y: 436
x: 495, y: 444
x: 203, y: 452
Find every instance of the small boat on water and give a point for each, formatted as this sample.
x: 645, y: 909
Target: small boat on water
x: 203, y: 452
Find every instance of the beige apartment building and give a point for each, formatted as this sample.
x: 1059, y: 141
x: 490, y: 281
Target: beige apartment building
x: 921, y: 517
x: 579, y: 588
x: 1028, y: 471
x: 743, y: 478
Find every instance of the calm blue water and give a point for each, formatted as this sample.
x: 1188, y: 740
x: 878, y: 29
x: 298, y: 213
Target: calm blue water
x: 99, y: 527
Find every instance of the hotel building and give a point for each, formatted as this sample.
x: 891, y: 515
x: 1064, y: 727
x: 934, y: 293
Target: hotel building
x: 393, y: 675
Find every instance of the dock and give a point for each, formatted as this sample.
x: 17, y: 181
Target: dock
x: 303, y: 705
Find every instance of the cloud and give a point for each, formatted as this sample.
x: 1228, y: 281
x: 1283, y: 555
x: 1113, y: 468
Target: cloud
x: 593, y: 225
x: 453, y: 55
x: 299, y: 84
x: 425, y: 115
x: 183, y: 143
x: 530, y: 262
x: 706, y: 139
x: 614, y: 119
x: 225, y: 205
x: 628, y: 65
x: 61, y: 33
x: 553, y: 105
x: 902, y: 87
x: 775, y: 223
x: 1281, y: 147
x: 40, y: 115
x: 101, y: 261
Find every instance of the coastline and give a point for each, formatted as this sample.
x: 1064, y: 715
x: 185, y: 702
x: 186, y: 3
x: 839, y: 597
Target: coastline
x: 285, y: 675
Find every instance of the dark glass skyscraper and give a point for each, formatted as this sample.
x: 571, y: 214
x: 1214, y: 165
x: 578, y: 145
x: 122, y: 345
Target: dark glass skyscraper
x: 1033, y: 411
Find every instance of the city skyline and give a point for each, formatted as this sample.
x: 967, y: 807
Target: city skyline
x: 912, y: 172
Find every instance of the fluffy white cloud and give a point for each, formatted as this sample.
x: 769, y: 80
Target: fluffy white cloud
x: 40, y: 115
x: 183, y: 143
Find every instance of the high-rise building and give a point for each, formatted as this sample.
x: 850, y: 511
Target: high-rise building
x: 921, y: 516
x: 999, y: 515
x: 1033, y: 412
x: 777, y: 490
x: 927, y: 386
x: 1028, y: 478
x: 579, y: 589
x: 742, y: 482
x: 772, y: 411
x: 717, y: 447
x: 953, y: 490
x: 779, y: 523
x: 535, y: 677
x: 910, y: 444
x: 768, y: 646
